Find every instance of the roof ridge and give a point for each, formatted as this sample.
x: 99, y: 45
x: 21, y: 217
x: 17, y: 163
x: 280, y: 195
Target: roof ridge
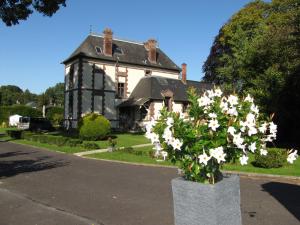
x: 119, y: 39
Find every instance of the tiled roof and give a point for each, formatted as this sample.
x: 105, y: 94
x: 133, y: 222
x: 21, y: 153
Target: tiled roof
x: 132, y: 53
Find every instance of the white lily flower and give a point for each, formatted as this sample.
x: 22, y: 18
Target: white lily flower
x: 254, y: 109
x: 212, y: 115
x: 252, y: 147
x: 204, y: 101
x: 167, y: 135
x: 232, y: 111
x: 263, y: 152
x: 232, y: 100
x: 218, y: 154
x: 263, y: 128
x: 244, y: 160
x: 213, y: 124
x: 218, y: 92
x: 204, y: 158
x: 292, y: 156
x: 238, y: 140
x: 210, y: 93
x: 251, y: 131
x: 154, y: 138
x: 248, y: 99
x: 231, y: 130
x: 176, y: 144
x: 170, y: 121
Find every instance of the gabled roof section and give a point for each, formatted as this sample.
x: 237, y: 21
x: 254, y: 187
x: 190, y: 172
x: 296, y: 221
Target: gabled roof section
x: 123, y: 52
x: 152, y: 87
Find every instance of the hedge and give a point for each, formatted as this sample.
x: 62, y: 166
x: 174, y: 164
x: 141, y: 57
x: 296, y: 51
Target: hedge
x: 274, y: 159
x: 6, y: 111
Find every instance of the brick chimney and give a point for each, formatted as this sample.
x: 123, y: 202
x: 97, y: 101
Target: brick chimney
x: 183, y: 73
x: 150, y: 46
x: 107, y: 42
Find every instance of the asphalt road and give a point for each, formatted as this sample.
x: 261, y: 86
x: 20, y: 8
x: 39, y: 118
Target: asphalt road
x: 39, y: 187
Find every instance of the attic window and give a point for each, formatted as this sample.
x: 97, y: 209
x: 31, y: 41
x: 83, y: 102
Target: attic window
x: 98, y: 50
x: 118, y: 50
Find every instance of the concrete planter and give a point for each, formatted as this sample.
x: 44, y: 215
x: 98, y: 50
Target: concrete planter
x: 206, y: 204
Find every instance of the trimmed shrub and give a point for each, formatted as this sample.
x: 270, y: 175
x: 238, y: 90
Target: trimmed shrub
x: 15, y: 134
x: 74, y: 142
x: 137, y: 152
x: 94, y: 127
x: 90, y: 145
x: 274, y: 159
x: 55, y: 115
x: 22, y: 110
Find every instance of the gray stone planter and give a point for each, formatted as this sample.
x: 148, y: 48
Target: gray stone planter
x: 206, y: 204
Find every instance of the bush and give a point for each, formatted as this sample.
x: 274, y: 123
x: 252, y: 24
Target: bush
x: 90, y: 145
x: 74, y: 142
x: 6, y: 111
x: 93, y: 127
x: 137, y: 152
x: 274, y: 159
x: 55, y: 115
x: 15, y: 134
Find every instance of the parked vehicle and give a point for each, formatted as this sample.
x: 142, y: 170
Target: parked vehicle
x: 35, y: 124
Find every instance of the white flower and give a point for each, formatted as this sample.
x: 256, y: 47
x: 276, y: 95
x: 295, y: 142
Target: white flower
x: 167, y: 135
x: 248, y: 98
x: 154, y: 138
x: 204, y: 101
x: 218, y: 92
x: 243, y: 126
x: 254, y: 109
x: 210, y: 93
x: 263, y: 152
x: 232, y: 111
x: 273, y: 130
x: 232, y: 100
x: 213, y: 124
x: 238, y: 140
x: 250, y: 118
x: 170, y: 121
x: 204, y: 158
x: 224, y: 105
x: 212, y: 115
x: 218, y: 154
x: 176, y: 144
x: 157, y: 148
x: 251, y: 131
x: 164, y: 154
x: 244, y: 160
x: 263, y: 128
x: 292, y: 156
x: 231, y: 130
x: 252, y: 147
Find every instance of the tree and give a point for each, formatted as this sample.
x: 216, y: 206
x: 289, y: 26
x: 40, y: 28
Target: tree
x: 10, y: 94
x: 55, y: 95
x: 12, y: 11
x: 258, y: 52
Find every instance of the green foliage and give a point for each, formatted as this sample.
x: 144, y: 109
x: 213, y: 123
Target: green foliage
x: 90, y: 145
x: 94, y: 127
x: 137, y: 151
x: 11, y: 12
x: 6, y: 111
x: 274, y: 159
x: 258, y: 52
x: 55, y: 115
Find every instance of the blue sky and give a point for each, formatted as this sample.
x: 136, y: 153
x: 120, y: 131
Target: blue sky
x: 31, y: 52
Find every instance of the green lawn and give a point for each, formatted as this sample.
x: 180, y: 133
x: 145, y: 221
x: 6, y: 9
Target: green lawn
x: 120, y: 155
x: 123, y: 140
x: 65, y: 149
x: 126, y: 140
x: 288, y: 169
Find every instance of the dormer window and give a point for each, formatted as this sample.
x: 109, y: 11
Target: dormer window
x: 118, y: 50
x: 98, y: 50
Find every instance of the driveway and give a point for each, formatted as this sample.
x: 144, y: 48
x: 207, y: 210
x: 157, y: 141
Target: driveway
x: 39, y: 187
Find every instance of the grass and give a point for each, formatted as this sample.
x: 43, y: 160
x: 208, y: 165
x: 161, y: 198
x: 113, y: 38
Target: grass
x: 288, y: 169
x: 126, y: 140
x: 120, y: 155
x: 65, y: 149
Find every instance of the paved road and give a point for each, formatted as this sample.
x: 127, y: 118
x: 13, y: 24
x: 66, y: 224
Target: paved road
x: 38, y: 187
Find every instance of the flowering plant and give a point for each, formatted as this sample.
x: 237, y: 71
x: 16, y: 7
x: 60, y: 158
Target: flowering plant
x: 217, y: 129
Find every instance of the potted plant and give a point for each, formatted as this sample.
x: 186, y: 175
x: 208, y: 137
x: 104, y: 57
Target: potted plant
x: 216, y: 130
x: 112, y: 144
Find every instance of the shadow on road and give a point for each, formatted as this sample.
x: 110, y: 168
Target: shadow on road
x: 9, y: 168
x: 287, y: 194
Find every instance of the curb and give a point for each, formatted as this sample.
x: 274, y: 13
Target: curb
x: 242, y: 174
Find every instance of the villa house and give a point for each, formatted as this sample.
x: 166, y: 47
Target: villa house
x: 127, y: 82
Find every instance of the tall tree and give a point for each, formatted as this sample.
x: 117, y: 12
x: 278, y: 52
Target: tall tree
x: 257, y: 51
x: 12, y: 11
